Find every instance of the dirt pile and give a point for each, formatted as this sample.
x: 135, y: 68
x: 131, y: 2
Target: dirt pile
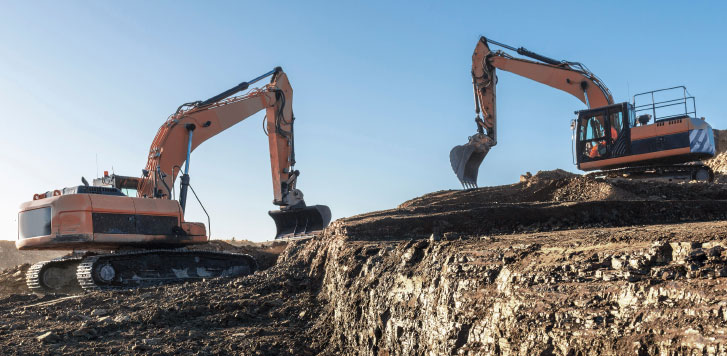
x: 270, y: 313
x: 12, y: 280
x: 264, y: 253
x: 11, y: 257
x: 562, y: 186
x: 719, y: 162
x: 540, y: 267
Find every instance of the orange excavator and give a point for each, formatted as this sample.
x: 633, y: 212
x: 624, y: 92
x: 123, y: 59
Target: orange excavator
x: 616, y: 139
x: 142, y: 240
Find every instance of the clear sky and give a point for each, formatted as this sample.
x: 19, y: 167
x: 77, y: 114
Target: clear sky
x: 382, y: 90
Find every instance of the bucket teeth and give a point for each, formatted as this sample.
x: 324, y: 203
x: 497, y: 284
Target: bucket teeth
x: 301, y: 222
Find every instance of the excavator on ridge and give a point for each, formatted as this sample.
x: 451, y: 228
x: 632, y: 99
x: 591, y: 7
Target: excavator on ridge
x: 141, y: 241
x: 614, y: 138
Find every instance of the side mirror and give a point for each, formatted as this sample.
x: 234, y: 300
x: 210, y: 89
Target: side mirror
x: 573, y: 124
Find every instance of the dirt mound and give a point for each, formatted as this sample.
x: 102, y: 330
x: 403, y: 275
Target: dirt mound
x: 719, y: 162
x: 562, y: 186
x: 264, y: 253
x: 11, y: 257
x: 720, y: 140
x: 551, y: 175
x: 719, y: 166
x: 12, y: 280
x: 272, y: 312
x: 542, y: 203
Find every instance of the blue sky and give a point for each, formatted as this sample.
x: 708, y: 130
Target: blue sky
x: 382, y: 91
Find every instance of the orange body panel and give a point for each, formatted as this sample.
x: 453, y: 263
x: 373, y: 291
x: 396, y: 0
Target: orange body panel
x: 566, y: 80
x: 71, y: 225
x: 620, y: 161
x: 661, y: 128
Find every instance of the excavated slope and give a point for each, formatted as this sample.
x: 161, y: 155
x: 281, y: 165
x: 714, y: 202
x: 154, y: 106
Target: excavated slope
x: 719, y: 162
x: 555, y: 265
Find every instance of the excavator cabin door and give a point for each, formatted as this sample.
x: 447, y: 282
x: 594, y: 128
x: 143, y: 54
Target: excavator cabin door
x: 602, y: 133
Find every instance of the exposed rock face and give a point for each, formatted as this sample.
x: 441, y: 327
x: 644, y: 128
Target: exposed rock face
x: 605, y: 291
x: 621, y: 285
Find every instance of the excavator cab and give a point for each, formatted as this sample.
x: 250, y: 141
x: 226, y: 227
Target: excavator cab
x: 657, y: 135
x: 601, y: 132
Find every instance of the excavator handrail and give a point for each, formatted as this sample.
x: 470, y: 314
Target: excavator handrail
x: 653, y: 105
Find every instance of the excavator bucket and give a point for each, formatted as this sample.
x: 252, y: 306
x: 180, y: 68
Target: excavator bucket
x: 303, y: 222
x: 466, y: 160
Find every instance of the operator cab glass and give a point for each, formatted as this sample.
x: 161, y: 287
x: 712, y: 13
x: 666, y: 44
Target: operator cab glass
x: 599, y: 131
x: 593, y: 135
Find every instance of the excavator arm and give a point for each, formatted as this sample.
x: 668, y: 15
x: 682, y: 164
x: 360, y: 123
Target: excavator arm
x: 196, y: 122
x: 571, y: 77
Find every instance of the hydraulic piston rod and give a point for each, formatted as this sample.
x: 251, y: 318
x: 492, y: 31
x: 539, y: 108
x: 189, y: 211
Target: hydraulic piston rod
x: 184, y: 184
x: 238, y: 88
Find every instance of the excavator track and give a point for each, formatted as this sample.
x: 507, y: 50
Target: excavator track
x: 156, y: 267
x: 684, y: 172
x: 54, y: 276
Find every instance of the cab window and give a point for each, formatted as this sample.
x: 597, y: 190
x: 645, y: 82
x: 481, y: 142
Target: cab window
x: 592, y: 128
x: 593, y: 136
x: 632, y: 117
x: 616, y: 119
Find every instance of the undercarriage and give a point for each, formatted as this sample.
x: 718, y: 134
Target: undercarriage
x: 134, y: 269
x: 669, y: 173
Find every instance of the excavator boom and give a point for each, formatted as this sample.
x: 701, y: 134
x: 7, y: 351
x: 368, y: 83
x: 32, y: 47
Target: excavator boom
x: 196, y: 122
x: 571, y: 77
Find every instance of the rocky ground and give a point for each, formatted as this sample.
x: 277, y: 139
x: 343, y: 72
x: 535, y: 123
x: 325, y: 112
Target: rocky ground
x: 557, y: 264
